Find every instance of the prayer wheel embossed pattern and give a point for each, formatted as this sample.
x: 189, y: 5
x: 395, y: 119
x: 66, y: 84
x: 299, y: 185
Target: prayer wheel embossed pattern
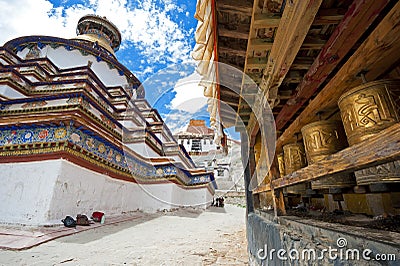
x: 294, y: 159
x: 368, y: 108
x: 322, y: 139
x: 365, y: 111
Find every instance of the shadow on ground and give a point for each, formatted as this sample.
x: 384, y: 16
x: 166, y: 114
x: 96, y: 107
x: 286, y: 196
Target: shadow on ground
x: 105, y: 230
x: 216, y: 209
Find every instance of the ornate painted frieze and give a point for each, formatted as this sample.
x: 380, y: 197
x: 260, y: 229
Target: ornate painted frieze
x: 86, y: 142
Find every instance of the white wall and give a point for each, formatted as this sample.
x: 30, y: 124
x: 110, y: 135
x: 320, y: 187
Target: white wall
x: 45, y: 192
x: 63, y: 58
x: 200, y: 198
x: 26, y: 191
x: 143, y: 149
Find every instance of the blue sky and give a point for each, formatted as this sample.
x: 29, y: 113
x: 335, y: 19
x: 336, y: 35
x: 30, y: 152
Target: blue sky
x: 157, y: 40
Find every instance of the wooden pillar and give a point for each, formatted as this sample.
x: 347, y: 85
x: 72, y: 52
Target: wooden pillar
x: 277, y: 195
x: 249, y: 168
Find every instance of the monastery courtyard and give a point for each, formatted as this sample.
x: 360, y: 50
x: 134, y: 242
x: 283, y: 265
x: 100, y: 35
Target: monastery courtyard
x: 183, y: 237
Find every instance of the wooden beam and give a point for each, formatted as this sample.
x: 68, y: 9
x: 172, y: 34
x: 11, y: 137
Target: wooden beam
x: 312, y: 42
x: 359, y: 17
x: 229, y: 118
x: 324, y: 17
x: 302, y: 63
x: 256, y: 62
x: 376, y: 54
x: 381, y: 148
x: 266, y: 44
x: 293, y: 76
x: 245, y: 112
x: 261, y: 44
x: 231, y: 51
x: 227, y: 93
x: 250, y: 89
x: 221, y: 60
x: 330, y: 16
x: 240, y: 33
x: 262, y: 188
x: 234, y: 6
x: 253, y: 77
x: 264, y: 20
x: 227, y: 110
x: 296, y: 20
x: 231, y: 101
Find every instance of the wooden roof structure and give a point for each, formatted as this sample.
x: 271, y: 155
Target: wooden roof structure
x: 302, y: 54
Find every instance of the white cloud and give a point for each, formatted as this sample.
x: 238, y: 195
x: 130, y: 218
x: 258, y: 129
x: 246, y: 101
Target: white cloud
x: 177, y: 120
x: 189, y: 95
x: 148, y: 27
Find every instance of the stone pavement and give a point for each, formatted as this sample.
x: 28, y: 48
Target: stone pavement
x: 25, y: 237
x: 183, y: 237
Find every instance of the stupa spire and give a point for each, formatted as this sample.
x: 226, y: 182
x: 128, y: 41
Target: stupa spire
x: 99, y: 31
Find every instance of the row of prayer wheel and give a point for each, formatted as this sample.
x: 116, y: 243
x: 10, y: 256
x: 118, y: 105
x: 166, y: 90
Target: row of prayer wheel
x: 365, y: 111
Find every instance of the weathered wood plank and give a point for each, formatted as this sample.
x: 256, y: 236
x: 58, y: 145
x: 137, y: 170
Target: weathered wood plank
x: 296, y: 20
x: 264, y: 20
x: 260, y: 44
x: 223, y: 49
x: 234, y: 6
x: 359, y: 17
x: 377, y: 54
x: 239, y: 33
x: 378, y: 149
x: 329, y: 16
x: 256, y: 62
x: 302, y: 63
x: 267, y: 43
x: 262, y: 188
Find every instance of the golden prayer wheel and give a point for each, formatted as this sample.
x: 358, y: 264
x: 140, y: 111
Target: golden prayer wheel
x: 368, y: 108
x: 321, y: 139
x: 294, y: 159
x: 281, y: 165
x: 365, y: 111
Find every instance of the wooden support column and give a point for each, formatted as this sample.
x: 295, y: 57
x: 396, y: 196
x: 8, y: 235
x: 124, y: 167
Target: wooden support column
x: 277, y: 195
x: 358, y: 18
x: 378, y: 53
x: 248, y: 162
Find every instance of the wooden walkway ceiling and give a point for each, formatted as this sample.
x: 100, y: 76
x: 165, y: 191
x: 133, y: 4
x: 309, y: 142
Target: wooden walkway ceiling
x: 302, y: 54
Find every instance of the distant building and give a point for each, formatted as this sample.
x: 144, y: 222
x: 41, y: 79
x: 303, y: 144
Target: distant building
x: 198, y: 140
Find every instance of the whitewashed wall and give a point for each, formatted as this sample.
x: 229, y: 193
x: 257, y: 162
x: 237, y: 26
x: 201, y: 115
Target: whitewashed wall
x: 63, y: 58
x: 45, y: 192
x: 26, y: 191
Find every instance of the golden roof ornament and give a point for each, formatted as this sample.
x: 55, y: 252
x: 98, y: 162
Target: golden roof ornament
x: 100, y: 32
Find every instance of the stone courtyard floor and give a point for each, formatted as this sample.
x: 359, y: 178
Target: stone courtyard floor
x: 183, y: 237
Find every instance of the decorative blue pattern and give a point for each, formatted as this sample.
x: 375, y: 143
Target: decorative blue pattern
x: 96, y: 145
